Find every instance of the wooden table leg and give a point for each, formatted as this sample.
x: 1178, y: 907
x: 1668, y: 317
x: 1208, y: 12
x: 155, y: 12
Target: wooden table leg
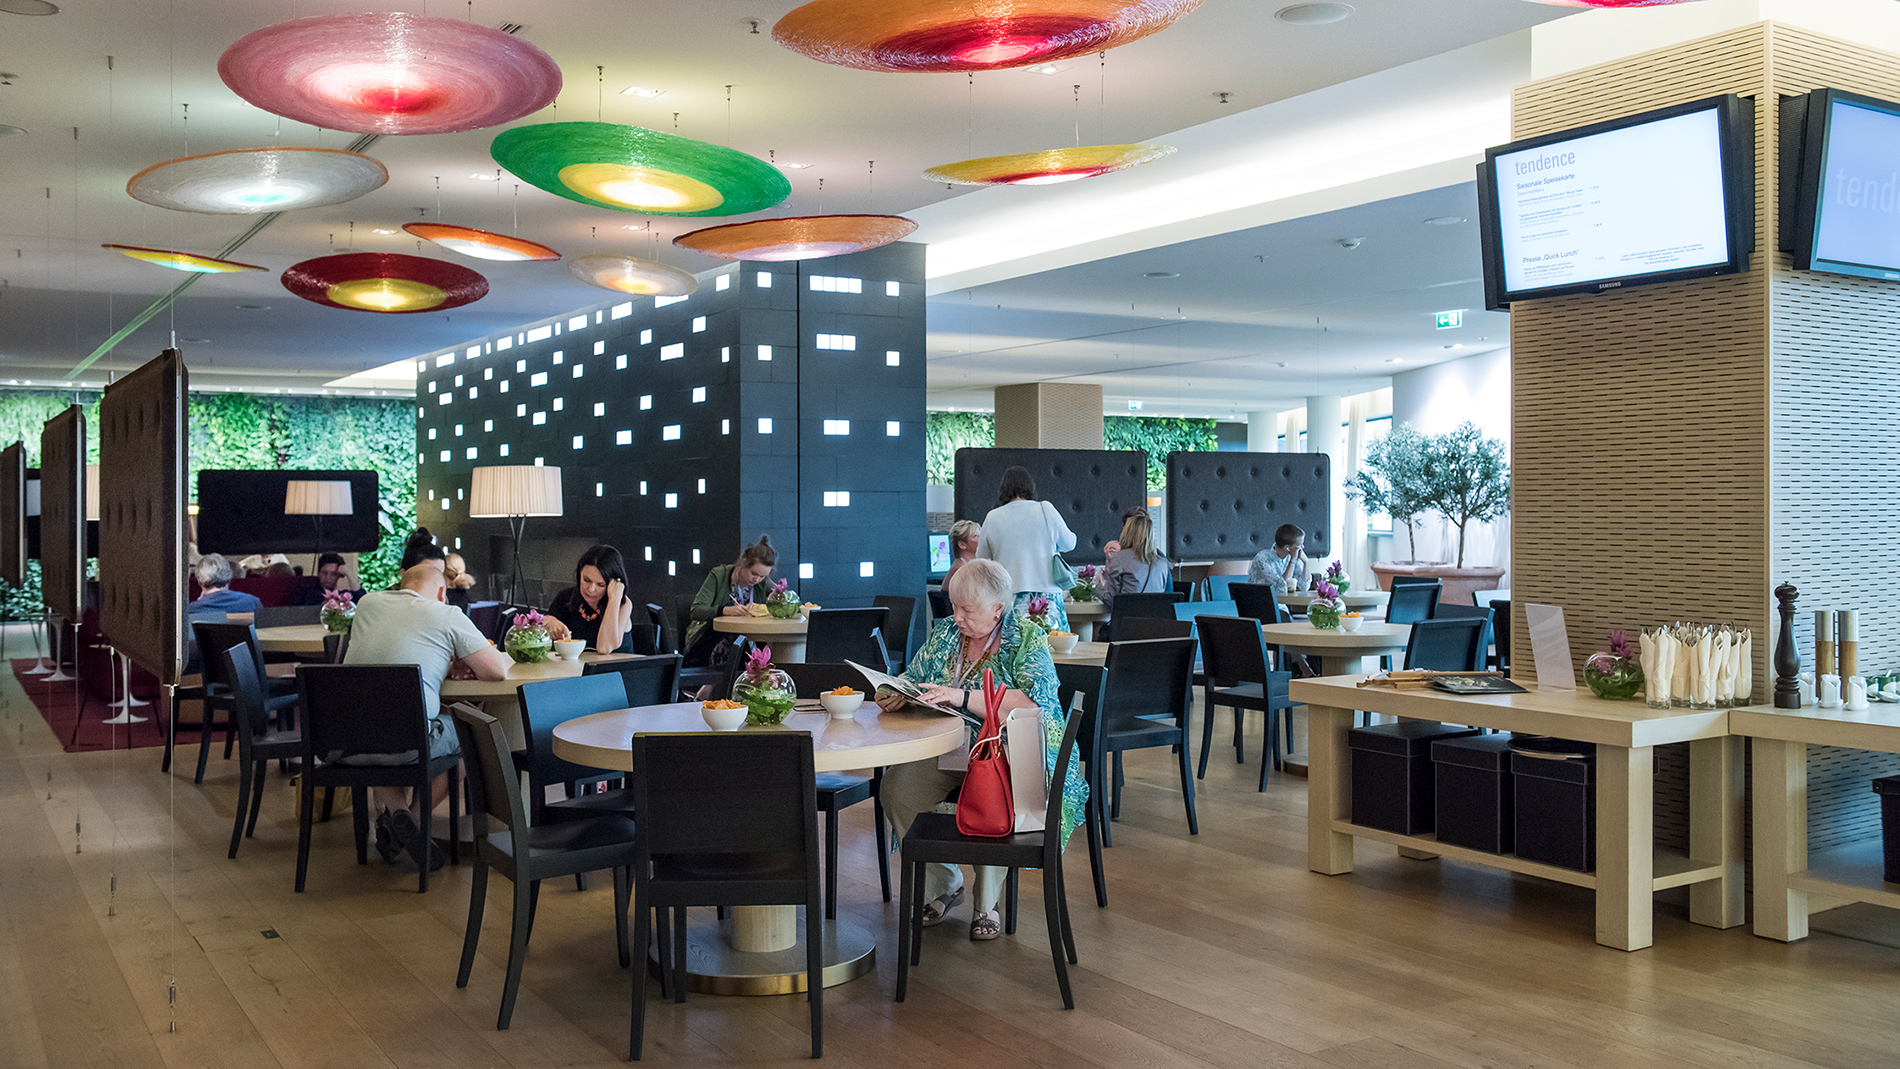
x: 1328, y: 790
x: 1715, y: 829
x: 763, y: 929
x: 1781, y: 838
x: 1625, y: 846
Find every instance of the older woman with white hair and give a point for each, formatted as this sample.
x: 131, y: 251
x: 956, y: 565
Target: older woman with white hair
x: 216, y: 600
x: 982, y: 632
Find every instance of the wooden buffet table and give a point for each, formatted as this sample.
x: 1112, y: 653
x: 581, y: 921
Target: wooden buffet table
x: 1629, y: 867
x: 1785, y: 873
x: 756, y: 951
x: 786, y: 637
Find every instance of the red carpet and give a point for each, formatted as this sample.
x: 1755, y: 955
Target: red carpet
x: 59, y: 703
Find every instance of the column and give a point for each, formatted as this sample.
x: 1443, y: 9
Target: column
x: 1263, y: 432
x: 1049, y: 415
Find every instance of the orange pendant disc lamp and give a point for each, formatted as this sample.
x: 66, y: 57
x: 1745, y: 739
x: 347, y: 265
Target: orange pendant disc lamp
x: 799, y: 237
x: 183, y: 261
x: 961, y: 35
x: 481, y: 244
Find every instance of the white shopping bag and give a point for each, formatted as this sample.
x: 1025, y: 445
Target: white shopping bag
x: 1028, y: 779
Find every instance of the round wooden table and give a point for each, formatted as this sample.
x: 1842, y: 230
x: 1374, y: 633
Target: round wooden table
x: 756, y: 950
x: 1340, y: 652
x: 786, y: 637
x: 1355, y: 599
x: 1084, y: 615
x: 292, y: 638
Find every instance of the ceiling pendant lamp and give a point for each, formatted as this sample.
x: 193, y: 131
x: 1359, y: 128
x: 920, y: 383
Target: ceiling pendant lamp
x: 390, y: 73
x: 1048, y: 167
x: 798, y: 237
x: 256, y: 180
x: 633, y: 169
x: 183, y: 261
x: 630, y: 274
x: 481, y: 244
x: 388, y: 282
x: 967, y: 35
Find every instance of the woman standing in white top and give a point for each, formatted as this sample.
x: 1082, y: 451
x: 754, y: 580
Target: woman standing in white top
x: 1023, y: 535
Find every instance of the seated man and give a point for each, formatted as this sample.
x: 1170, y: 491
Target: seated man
x: 328, y: 581
x: 413, y: 625
x: 217, y: 600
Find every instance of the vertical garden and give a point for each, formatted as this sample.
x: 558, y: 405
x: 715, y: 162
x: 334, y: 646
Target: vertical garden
x: 263, y: 432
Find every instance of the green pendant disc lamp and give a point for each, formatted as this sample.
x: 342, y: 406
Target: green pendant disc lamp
x: 633, y: 169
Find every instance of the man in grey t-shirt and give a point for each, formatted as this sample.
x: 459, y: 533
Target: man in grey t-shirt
x: 413, y: 625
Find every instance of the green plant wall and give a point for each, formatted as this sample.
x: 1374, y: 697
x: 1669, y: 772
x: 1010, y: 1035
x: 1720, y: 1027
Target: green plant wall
x: 248, y: 431
x: 947, y: 432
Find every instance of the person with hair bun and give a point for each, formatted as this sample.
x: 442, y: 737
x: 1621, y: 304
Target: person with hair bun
x: 729, y: 590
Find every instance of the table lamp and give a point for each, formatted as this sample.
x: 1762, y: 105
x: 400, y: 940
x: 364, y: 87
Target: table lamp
x: 317, y: 498
x: 514, y: 492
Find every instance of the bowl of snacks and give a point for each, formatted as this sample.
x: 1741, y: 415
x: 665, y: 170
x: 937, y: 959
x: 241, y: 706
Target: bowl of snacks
x: 842, y: 703
x: 569, y: 649
x: 723, y: 715
x: 1351, y: 620
x: 1063, y: 641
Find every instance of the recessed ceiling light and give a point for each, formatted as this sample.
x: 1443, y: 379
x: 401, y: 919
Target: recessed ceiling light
x: 486, y: 177
x: 630, y: 91
x: 29, y: 7
x: 382, y: 230
x: 1047, y: 68
x: 794, y: 166
x: 1445, y: 220
x: 636, y: 226
x: 1161, y: 274
x: 11, y: 131
x: 1314, y: 14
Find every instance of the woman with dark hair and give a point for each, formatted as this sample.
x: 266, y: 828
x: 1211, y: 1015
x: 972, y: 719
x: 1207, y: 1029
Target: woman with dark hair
x: 1024, y: 535
x: 596, y: 608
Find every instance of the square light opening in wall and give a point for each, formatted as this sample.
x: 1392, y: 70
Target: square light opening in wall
x: 837, y: 426
x: 840, y: 342
x: 765, y: 280
x: 670, y: 433
x: 804, y: 570
x: 431, y: 388
x: 600, y: 348
x: 540, y: 418
x: 504, y: 449
x: 539, y: 378
x: 765, y: 352
x: 472, y: 392
x: 445, y: 456
x: 488, y: 425
x: 765, y: 425
x: 577, y: 323
x: 646, y: 401
x: 458, y: 380
x: 579, y: 370
x: 580, y: 441
x: 725, y: 354
x: 488, y: 374
x: 864, y: 569
x: 560, y: 403
x: 600, y: 408
x: 673, y: 351
x: 521, y: 366
x: 699, y: 395
x: 891, y: 428
x: 646, y: 337
x: 560, y: 357
x: 541, y: 334
x: 890, y: 289
x: 621, y: 311
x: 623, y: 437
x: 837, y: 499
x: 502, y: 345
x: 471, y: 452
x: 443, y: 399
x: 699, y: 324
x: 432, y: 434
x: 445, y: 504
x: 723, y: 282
x: 620, y: 362
x: 504, y: 386
x: 521, y: 410
x: 445, y: 360
x: 892, y: 358
x: 458, y: 430
x: 672, y: 501
x: 422, y: 365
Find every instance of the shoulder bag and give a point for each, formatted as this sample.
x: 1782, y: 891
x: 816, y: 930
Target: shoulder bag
x: 985, y: 807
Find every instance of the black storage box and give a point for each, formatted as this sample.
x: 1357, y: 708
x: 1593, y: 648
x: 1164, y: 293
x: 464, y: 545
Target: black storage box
x: 1473, y: 776
x: 1392, y: 774
x: 1554, y: 802
x: 1888, y: 788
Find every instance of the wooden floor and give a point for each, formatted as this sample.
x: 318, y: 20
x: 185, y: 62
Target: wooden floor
x: 1216, y: 950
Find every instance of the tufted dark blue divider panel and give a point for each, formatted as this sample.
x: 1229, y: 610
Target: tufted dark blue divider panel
x: 1226, y: 506
x: 1091, y: 488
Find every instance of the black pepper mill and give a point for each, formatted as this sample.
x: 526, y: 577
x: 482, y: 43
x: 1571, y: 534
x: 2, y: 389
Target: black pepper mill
x: 1787, y: 658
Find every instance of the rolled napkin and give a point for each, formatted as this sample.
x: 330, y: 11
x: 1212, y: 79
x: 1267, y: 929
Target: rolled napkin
x: 1702, y: 686
x: 1681, y: 661
x: 1827, y: 693
x: 1652, y: 678
x: 1804, y: 685
x: 1745, y: 669
x: 1721, y: 672
x: 1855, y: 693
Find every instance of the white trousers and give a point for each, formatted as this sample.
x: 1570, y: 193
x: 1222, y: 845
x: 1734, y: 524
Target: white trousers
x: 920, y: 787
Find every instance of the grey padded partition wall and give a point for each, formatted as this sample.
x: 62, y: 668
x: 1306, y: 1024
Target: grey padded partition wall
x: 1091, y: 488
x: 63, y: 513
x: 142, y: 515
x: 1226, y: 506
x: 13, y: 513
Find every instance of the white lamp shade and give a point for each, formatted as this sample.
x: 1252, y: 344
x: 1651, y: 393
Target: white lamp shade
x: 317, y: 497
x: 515, y: 490
x: 92, y: 491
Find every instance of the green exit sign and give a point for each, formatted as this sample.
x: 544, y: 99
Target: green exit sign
x: 1448, y: 320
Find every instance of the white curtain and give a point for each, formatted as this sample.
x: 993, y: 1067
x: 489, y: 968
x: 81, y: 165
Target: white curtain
x: 1355, y: 550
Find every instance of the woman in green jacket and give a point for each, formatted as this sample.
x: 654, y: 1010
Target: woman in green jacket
x: 729, y: 590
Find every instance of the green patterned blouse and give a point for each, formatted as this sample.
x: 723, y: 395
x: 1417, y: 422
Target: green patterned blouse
x: 1022, y: 662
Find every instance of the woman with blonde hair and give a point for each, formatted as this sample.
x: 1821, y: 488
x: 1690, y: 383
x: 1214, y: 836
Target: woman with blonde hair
x: 964, y: 536
x: 1135, y: 565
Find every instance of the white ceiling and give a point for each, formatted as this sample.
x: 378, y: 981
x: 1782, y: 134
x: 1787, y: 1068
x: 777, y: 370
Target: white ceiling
x: 60, y: 295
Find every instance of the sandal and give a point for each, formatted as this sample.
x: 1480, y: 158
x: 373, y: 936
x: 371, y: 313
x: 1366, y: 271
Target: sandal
x: 938, y: 908
x: 984, y: 927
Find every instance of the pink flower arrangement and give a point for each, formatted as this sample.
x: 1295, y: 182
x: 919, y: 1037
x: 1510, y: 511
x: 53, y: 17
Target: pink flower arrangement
x: 531, y: 618
x: 759, y: 661
x: 1620, y: 644
x: 1038, y: 605
x: 1326, y: 590
x: 337, y: 600
x: 1087, y: 572
x: 778, y: 588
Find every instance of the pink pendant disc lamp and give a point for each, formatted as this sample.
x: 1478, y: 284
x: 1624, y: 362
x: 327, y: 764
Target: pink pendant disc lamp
x: 386, y: 282
x: 961, y: 35
x: 390, y: 73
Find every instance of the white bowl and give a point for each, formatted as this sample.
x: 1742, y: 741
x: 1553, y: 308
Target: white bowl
x: 842, y: 706
x: 1063, y: 643
x: 569, y: 649
x: 723, y: 719
x: 1351, y: 623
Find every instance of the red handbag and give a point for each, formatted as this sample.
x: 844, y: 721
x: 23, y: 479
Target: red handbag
x: 985, y: 807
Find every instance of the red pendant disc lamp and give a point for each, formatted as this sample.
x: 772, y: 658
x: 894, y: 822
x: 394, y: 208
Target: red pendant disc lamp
x: 966, y: 35
x: 386, y: 282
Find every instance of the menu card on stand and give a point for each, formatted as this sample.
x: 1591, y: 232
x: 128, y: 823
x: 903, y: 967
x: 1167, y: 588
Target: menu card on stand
x: 1550, y: 647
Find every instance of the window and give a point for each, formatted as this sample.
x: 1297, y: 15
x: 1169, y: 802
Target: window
x: 804, y: 570
x: 837, y: 499
x: 504, y: 386
x: 670, y: 433
x: 540, y: 418
x: 673, y: 351
x: 600, y: 348
x: 699, y: 324
x: 473, y: 352
x: 504, y: 449
x: 473, y: 391
x: 890, y: 289
x: 725, y: 352
x: 837, y: 426
x: 892, y: 358
x: 579, y: 441
x: 699, y: 395
x: 843, y: 342
x: 621, y: 311
x: 600, y: 489
x: 646, y: 401
x: 722, y: 278
x: 445, y: 456
x: 623, y: 437
x: 620, y: 362
x: 458, y: 380
x: 541, y: 334
x: 725, y: 426
x: 577, y: 323
x: 643, y: 493
x: 892, y: 428
x: 443, y: 399
x: 646, y: 337
x: 765, y: 352
x: 579, y: 369
x: 488, y: 425
x: 559, y: 357
x: 521, y: 410
x: 662, y: 302
x: 488, y: 374
x: 765, y: 280
x: 834, y: 284
x: 600, y: 408
x: 458, y: 431
x: 445, y: 360
x: 431, y: 386
x: 471, y: 452
x: 539, y: 378
x: 520, y: 366
x: 765, y: 425
x: 702, y: 486
x: 723, y: 282
x: 502, y: 345
x: 672, y: 501
x: 560, y: 403
x: 864, y: 569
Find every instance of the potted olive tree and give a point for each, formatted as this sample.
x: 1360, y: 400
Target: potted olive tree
x: 1394, y: 481
x: 1468, y: 480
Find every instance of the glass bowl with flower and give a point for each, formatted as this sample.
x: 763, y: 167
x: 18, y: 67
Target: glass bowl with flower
x: 1616, y: 675
x: 1336, y: 575
x: 338, y: 612
x: 1084, y: 588
x: 528, y: 640
x: 766, y: 692
x: 1324, y: 610
x: 782, y: 602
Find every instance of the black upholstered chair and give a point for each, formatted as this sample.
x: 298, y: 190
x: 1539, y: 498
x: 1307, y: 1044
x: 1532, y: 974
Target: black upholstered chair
x: 258, y: 745
x: 835, y: 635
x: 1449, y: 645
x: 280, y: 695
x: 1411, y: 602
x: 651, y: 679
x: 1240, y: 677
x: 836, y: 791
x: 896, y: 626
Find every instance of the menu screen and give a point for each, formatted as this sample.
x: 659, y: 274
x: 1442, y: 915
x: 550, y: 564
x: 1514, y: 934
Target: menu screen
x: 1641, y: 200
x: 1857, y: 224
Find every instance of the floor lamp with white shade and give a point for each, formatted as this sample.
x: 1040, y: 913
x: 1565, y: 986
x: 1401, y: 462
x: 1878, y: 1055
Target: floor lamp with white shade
x: 514, y: 492
x: 317, y: 498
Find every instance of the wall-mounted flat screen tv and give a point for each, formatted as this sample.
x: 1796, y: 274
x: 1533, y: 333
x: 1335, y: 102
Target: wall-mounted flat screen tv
x: 939, y: 554
x: 1657, y: 197
x: 1847, y: 202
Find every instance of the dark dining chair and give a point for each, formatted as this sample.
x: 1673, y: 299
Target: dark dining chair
x: 933, y: 837
x: 525, y: 852
x: 280, y: 695
x: 1159, y: 606
x: 650, y: 679
x: 1447, y: 645
x: 258, y: 744
x: 837, y: 791
x: 1143, y: 628
x: 1411, y: 602
x: 1079, y: 689
x: 897, y: 626
x: 1501, y: 632
x: 288, y: 615
x: 1259, y: 601
x: 553, y: 701
x: 939, y: 604
x: 834, y: 635
x: 369, y: 709
x: 1240, y: 677
x: 726, y: 819
x: 1145, y: 702
x: 1471, y: 612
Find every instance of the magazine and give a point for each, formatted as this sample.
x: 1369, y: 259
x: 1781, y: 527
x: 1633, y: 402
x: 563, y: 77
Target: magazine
x: 912, y: 691
x: 1477, y: 684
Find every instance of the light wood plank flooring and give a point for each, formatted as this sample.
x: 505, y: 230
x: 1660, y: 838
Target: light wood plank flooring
x: 1216, y: 950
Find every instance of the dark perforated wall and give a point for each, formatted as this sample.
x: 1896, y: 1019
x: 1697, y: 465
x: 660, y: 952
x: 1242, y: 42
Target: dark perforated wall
x: 13, y: 513
x: 1226, y: 506
x: 62, y: 512
x: 1090, y: 487
x: 142, y: 515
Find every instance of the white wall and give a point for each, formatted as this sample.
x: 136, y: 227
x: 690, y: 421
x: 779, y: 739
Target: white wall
x: 1437, y: 399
